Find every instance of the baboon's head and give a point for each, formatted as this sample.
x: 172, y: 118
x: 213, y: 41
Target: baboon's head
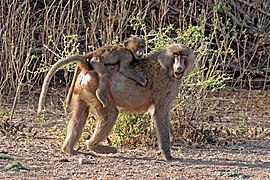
x: 136, y: 45
x: 178, y: 59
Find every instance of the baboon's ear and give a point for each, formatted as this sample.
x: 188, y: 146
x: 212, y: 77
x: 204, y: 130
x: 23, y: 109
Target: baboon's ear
x: 125, y: 42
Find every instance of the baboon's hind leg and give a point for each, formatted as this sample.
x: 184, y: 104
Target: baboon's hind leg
x: 76, y: 124
x: 105, y: 122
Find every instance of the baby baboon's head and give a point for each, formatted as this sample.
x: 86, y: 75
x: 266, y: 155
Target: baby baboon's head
x: 136, y: 45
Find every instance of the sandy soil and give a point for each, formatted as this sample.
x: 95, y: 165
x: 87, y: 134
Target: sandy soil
x: 38, y: 149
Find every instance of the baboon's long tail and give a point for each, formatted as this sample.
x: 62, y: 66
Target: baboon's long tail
x: 52, y: 71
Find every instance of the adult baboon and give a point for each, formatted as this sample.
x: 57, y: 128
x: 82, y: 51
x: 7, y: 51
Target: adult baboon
x: 131, y: 49
x: 163, y: 69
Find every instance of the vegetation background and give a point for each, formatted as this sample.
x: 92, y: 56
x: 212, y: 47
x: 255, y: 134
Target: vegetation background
x: 231, y: 40
x: 220, y: 117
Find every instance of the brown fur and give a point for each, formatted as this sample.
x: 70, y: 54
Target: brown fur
x: 164, y: 75
x: 132, y: 48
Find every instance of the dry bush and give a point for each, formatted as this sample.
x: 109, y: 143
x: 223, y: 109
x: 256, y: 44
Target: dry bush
x: 28, y: 26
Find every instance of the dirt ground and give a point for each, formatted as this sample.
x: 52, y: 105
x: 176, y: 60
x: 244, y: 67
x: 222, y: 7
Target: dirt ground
x: 38, y: 149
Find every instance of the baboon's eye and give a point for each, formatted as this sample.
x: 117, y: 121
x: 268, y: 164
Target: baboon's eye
x: 176, y: 54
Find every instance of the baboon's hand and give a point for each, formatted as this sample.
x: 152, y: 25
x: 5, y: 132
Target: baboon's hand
x: 143, y: 81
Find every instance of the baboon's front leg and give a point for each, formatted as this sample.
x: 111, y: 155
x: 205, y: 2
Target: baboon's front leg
x: 80, y: 111
x: 106, y: 118
x: 172, y: 136
x: 162, y: 123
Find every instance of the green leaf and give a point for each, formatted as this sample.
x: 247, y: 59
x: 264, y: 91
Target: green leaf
x: 15, y: 166
x: 4, y: 156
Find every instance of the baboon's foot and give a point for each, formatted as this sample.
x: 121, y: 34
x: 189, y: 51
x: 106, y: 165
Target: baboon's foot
x: 169, y: 158
x: 102, y: 99
x: 167, y: 155
x: 102, y: 149
x: 68, y: 150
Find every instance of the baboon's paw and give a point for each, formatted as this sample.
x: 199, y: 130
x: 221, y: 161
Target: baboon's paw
x: 168, y: 157
x: 101, y: 149
x: 67, y: 150
x: 143, y: 81
x: 102, y: 99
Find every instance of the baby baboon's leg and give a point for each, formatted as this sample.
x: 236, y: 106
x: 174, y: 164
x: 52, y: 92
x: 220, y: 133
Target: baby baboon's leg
x: 103, y: 80
x: 76, y: 124
x: 124, y: 69
x: 98, y: 65
x: 162, y: 123
x: 100, y: 92
x: 105, y: 122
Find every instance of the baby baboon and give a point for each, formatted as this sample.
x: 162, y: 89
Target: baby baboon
x: 163, y: 69
x: 131, y: 49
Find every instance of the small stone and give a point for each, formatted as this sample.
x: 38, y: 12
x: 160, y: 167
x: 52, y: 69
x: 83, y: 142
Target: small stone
x: 85, y: 161
x: 64, y: 160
